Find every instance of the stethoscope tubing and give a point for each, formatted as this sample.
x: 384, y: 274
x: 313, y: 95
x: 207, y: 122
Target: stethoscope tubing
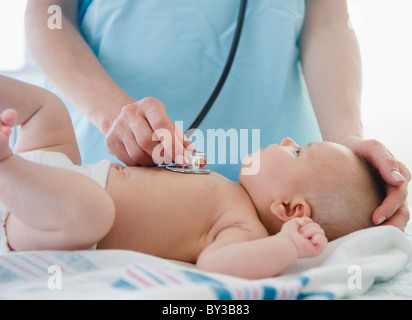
x: 232, y: 54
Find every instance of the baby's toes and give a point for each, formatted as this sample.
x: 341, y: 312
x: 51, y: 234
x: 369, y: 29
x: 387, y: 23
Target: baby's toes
x: 9, y: 117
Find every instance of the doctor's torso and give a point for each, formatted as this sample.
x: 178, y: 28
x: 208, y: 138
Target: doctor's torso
x: 176, y: 50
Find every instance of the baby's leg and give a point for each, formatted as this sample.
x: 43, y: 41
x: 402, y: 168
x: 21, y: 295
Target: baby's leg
x: 45, y: 122
x: 50, y: 208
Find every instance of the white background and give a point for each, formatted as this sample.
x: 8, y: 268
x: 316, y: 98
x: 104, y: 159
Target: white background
x: 384, y: 29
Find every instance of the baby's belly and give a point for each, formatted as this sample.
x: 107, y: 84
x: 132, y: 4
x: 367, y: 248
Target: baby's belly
x: 159, y: 212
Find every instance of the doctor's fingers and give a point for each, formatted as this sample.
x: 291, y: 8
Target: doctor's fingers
x: 392, y: 171
x: 144, y: 146
x: 405, y: 172
x: 400, y: 219
x: 121, y: 142
x: 140, y: 149
x: 170, y: 136
x: 394, y: 207
x: 187, y: 144
x: 117, y: 148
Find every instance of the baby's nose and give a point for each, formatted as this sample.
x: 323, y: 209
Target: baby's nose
x: 288, y: 142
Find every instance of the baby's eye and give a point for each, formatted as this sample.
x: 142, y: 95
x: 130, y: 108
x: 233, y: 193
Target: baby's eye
x: 298, y: 151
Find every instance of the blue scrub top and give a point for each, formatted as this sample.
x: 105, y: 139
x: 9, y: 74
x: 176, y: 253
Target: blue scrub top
x: 176, y: 50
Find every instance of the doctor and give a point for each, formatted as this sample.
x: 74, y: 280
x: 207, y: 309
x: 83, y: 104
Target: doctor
x: 297, y: 73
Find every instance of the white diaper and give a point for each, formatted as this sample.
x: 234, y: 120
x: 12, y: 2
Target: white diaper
x: 97, y: 172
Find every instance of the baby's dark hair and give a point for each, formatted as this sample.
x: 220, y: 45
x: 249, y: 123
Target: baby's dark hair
x: 343, y: 200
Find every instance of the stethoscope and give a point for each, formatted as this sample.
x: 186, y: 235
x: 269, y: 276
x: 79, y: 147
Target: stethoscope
x: 197, y: 158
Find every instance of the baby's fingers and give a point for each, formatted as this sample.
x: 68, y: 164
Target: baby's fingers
x: 320, y: 242
x: 311, y: 229
x: 295, y: 225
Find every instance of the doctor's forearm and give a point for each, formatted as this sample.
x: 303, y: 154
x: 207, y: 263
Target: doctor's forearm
x: 333, y: 71
x: 71, y: 66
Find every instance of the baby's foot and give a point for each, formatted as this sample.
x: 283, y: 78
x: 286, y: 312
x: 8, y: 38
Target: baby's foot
x: 7, y: 122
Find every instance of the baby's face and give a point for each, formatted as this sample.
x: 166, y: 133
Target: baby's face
x: 283, y: 167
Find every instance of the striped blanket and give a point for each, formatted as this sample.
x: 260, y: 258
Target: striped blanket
x: 348, y: 268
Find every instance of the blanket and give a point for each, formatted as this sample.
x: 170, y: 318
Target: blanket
x: 348, y: 268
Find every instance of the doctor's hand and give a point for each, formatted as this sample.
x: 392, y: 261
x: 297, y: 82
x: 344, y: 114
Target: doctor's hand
x: 144, y: 135
x: 394, y: 209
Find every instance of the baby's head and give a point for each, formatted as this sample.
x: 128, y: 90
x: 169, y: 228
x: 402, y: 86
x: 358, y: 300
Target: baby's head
x: 324, y: 181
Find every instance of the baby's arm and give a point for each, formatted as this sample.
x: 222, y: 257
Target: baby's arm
x: 234, y: 253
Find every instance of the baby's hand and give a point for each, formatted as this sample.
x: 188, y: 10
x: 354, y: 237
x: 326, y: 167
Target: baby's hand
x: 7, y: 122
x: 307, y: 236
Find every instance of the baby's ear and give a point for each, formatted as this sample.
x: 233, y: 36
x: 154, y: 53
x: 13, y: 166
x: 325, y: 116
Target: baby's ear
x: 285, y: 211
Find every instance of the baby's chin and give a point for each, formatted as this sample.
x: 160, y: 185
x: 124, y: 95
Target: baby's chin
x: 250, y: 165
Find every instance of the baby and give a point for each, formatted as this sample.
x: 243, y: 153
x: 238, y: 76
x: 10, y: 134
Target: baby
x: 252, y: 229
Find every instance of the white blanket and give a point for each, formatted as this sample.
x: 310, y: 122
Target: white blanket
x: 348, y: 268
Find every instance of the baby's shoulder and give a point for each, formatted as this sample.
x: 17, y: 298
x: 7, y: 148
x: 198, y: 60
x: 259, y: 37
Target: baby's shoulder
x: 240, y: 213
x: 239, y: 222
x: 232, y: 203
x: 238, y: 200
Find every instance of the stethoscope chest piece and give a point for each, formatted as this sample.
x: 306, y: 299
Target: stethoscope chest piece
x: 194, y: 167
